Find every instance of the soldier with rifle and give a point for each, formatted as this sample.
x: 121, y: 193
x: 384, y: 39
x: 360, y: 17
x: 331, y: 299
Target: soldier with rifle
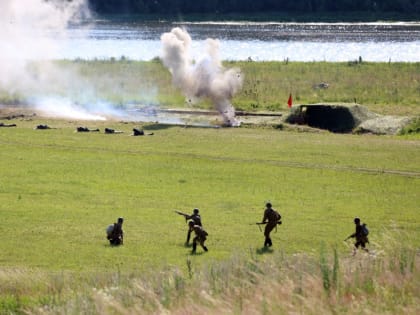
x: 361, y: 236
x: 195, y: 218
x: 271, y: 218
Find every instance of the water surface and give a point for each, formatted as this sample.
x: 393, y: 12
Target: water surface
x: 258, y: 41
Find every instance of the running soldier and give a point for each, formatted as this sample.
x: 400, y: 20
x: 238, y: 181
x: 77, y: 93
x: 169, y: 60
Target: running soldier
x: 200, y: 236
x: 360, y: 235
x: 195, y: 217
x: 271, y: 219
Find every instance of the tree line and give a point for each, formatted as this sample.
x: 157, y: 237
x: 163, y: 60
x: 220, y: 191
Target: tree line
x: 174, y: 7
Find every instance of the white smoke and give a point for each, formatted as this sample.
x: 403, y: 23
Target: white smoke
x: 206, y: 78
x: 30, y: 33
x: 64, y: 108
x: 24, y: 26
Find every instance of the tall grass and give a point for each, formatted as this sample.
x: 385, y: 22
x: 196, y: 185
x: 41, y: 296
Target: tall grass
x: 258, y: 282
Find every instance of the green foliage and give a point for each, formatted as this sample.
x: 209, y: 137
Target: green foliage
x: 412, y: 128
x: 325, y: 271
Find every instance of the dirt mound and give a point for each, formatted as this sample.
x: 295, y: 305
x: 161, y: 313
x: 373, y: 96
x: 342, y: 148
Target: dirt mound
x: 384, y: 125
x: 345, y: 118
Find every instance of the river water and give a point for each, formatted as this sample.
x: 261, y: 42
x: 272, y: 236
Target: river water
x: 336, y: 42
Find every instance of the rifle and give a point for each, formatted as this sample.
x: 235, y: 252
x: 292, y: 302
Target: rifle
x: 183, y: 214
x: 259, y: 224
x: 262, y: 223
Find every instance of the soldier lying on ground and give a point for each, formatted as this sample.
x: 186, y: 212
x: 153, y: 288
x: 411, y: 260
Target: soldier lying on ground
x: 109, y: 131
x: 85, y: 129
x: 7, y: 125
x: 42, y: 127
x: 139, y: 132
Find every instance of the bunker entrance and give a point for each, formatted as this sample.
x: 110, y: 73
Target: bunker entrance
x: 330, y: 117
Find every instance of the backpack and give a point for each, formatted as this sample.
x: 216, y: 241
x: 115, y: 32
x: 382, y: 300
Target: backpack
x: 109, y: 230
x: 365, y: 230
x: 277, y: 215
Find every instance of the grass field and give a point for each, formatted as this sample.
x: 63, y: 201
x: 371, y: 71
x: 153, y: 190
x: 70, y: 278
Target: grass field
x: 60, y: 189
x: 385, y: 88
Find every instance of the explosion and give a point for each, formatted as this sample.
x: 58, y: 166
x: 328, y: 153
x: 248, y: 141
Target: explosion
x: 206, y: 78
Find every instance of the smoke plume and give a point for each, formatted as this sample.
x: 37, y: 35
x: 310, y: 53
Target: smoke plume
x: 30, y: 32
x: 206, y: 78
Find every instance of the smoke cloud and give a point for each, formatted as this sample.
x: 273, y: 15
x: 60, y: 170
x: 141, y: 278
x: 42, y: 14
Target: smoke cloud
x: 206, y: 78
x: 33, y: 30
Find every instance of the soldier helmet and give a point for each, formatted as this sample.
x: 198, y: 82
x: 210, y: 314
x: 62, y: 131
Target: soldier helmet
x: 196, y: 210
x: 268, y: 205
x: 356, y: 220
x: 120, y: 219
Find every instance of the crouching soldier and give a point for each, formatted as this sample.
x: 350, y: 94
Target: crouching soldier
x: 200, y: 236
x: 115, y: 233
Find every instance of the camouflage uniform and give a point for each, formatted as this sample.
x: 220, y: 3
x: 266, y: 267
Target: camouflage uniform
x: 271, y: 217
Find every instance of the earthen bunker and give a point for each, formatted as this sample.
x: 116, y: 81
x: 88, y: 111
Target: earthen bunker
x: 345, y: 118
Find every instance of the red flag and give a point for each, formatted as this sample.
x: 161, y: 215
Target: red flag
x: 290, y: 101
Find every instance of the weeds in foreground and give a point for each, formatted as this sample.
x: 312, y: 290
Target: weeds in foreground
x: 386, y: 281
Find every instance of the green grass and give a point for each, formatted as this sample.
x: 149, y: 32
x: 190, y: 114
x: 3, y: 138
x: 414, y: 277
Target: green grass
x: 268, y: 282
x: 385, y: 88
x: 60, y: 189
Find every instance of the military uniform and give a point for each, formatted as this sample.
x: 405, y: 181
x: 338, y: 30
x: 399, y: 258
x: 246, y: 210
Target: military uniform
x: 196, y: 218
x: 271, y: 217
x: 361, y: 238
x: 116, y: 236
x: 200, y: 236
